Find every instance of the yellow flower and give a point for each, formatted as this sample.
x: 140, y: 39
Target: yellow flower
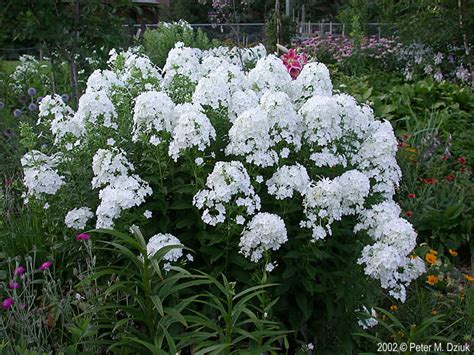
x: 431, y: 258
x: 434, y: 252
x: 469, y: 278
x: 432, y: 280
x: 393, y: 307
x: 434, y: 312
x: 453, y: 252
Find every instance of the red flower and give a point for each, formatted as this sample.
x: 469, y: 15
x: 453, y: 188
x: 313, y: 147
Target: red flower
x: 462, y: 160
x: 408, y: 214
x: 45, y: 265
x: 82, y: 236
x: 445, y: 157
x: 7, y: 303
x: 402, y: 144
x: 13, y: 285
x: 449, y: 177
x: 411, y: 195
x: 20, y: 270
x: 430, y: 181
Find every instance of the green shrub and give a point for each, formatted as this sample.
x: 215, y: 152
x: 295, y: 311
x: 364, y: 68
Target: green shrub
x: 157, y: 43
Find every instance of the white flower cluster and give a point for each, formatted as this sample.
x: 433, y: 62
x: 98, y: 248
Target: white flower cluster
x: 135, y: 70
x: 103, y: 80
x: 264, y: 232
x: 122, y: 190
x: 29, y: 70
x: 329, y: 200
x: 228, y: 181
x: 182, y: 61
x: 283, y: 129
x: 287, y: 179
x: 40, y: 176
x: 236, y: 55
x: 153, y: 113
x: 389, y: 259
x: 158, y: 242
x: 95, y: 108
x: 258, y: 131
x: 61, y: 117
x: 313, y: 80
x: 192, y: 129
x: 78, y: 217
x: 269, y: 74
x: 369, y: 319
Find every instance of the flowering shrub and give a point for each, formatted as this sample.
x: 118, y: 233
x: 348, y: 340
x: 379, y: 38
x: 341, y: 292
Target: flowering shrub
x: 259, y: 173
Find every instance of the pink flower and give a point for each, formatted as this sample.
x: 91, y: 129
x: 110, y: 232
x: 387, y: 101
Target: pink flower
x: 83, y: 236
x: 45, y: 265
x: 7, y: 303
x: 20, y: 270
x: 13, y: 285
x: 294, y: 62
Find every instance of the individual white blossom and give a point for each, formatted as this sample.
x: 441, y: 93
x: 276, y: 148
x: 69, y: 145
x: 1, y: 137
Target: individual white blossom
x: 147, y: 214
x: 264, y: 232
x: 78, y: 217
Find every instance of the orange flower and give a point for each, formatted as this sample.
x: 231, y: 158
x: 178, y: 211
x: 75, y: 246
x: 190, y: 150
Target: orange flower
x: 394, y: 307
x: 432, y: 251
x: 469, y: 278
x: 432, y: 280
x: 434, y: 312
x: 453, y: 252
x: 431, y: 258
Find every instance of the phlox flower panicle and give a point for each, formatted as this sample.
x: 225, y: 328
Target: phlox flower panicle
x: 264, y: 232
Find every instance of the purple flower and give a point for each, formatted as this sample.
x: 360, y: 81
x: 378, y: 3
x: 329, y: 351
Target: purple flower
x: 65, y: 98
x: 83, y: 236
x: 17, y: 112
x: 31, y: 92
x: 438, y: 75
x: 13, y: 285
x: 20, y: 270
x: 32, y: 107
x: 2, y: 105
x: 38, y: 100
x: 45, y: 265
x: 7, y: 303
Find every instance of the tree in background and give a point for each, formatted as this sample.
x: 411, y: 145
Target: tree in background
x: 441, y: 24
x: 66, y: 30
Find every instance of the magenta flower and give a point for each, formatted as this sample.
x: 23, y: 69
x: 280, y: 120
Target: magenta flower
x: 294, y: 62
x: 45, y: 265
x: 7, y: 303
x: 13, y: 285
x: 20, y: 270
x: 83, y: 236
